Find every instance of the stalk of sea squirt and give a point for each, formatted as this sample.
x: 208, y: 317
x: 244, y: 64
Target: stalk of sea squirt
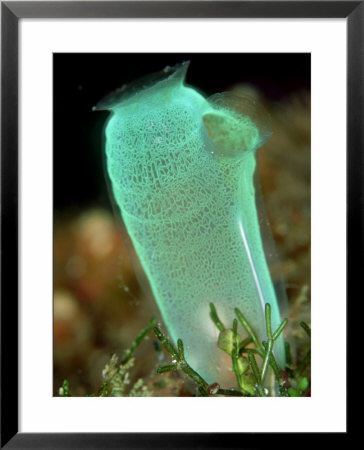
x: 181, y: 169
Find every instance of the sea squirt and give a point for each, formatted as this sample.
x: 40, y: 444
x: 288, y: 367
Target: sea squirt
x: 181, y: 168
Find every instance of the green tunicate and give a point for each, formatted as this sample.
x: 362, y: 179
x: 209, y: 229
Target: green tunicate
x: 181, y: 168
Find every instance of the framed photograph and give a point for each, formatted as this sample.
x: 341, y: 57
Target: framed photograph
x: 181, y: 204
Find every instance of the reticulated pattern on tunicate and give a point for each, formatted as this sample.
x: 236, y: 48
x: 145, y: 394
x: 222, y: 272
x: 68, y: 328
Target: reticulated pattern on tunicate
x: 185, y: 190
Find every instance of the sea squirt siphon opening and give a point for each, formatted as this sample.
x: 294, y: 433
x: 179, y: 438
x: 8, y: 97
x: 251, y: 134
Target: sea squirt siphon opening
x: 236, y: 124
x: 130, y: 92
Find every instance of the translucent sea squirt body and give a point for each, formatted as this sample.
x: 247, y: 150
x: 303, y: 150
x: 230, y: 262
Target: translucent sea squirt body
x: 181, y: 168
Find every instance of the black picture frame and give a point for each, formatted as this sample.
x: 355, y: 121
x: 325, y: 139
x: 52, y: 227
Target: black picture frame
x: 11, y: 12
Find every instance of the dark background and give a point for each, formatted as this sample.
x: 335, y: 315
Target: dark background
x: 82, y: 80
